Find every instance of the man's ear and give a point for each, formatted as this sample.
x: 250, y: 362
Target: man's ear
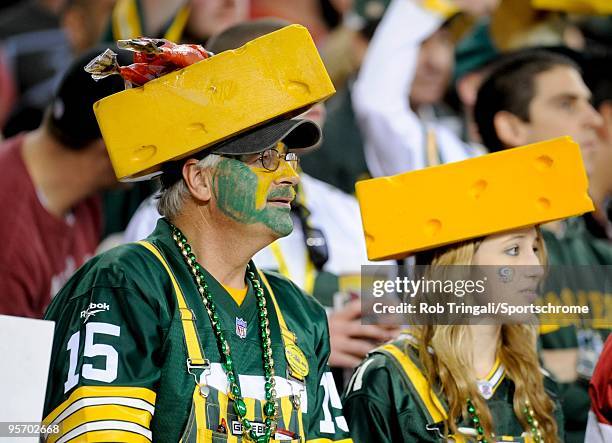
x: 198, y: 180
x: 605, y: 109
x: 510, y: 129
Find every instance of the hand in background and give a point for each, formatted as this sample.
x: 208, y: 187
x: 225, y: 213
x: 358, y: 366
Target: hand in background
x: 351, y: 340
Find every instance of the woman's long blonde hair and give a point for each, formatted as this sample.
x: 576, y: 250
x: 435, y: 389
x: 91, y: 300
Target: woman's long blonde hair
x: 445, y: 366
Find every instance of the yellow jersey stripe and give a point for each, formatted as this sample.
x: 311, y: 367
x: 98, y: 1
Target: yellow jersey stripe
x: 420, y: 383
x: 135, y: 403
x: 493, y: 369
x: 102, y: 391
x: 100, y: 413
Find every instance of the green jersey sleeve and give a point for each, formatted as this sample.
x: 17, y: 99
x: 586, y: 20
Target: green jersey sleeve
x: 103, y: 371
x: 328, y: 423
x: 369, y: 403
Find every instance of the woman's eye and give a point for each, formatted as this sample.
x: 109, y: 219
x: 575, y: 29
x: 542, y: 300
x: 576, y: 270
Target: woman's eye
x: 513, y: 251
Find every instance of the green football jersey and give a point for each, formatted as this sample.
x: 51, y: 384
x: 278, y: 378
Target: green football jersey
x: 387, y: 400
x: 119, y: 368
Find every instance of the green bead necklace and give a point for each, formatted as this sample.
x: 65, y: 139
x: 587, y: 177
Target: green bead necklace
x: 235, y: 393
x: 536, y: 433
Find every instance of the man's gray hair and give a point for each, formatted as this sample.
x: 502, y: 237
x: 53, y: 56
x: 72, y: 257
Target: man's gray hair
x: 171, y: 200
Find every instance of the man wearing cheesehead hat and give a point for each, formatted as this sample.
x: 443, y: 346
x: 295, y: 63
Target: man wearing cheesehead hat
x: 179, y: 337
x: 461, y: 376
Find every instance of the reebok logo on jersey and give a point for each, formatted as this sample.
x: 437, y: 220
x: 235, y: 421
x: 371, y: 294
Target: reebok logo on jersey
x: 93, y: 309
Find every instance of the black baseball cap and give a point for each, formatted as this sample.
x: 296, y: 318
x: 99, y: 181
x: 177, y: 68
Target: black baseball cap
x: 71, y: 117
x: 297, y: 134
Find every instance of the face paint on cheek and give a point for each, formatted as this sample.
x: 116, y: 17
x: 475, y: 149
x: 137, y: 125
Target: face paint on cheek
x: 237, y: 190
x: 264, y: 180
x: 234, y: 186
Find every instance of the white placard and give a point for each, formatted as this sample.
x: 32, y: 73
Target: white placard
x: 25, y: 353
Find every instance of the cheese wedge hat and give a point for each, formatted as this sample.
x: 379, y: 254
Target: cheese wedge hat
x: 271, y: 78
x: 498, y: 192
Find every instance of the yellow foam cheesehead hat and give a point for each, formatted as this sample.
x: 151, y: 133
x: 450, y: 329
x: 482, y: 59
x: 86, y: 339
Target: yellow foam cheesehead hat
x: 440, y: 205
x: 178, y: 114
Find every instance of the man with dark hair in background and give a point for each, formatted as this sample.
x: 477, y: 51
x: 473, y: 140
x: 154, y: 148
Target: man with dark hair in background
x: 52, y: 216
x: 534, y: 95
x: 530, y: 96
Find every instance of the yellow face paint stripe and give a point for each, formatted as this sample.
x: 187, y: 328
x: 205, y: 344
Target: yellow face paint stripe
x: 102, y: 391
x: 99, y: 413
x: 265, y: 177
x: 264, y: 180
x: 420, y: 383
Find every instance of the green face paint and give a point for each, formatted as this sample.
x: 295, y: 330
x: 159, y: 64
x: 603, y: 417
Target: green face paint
x: 241, y: 194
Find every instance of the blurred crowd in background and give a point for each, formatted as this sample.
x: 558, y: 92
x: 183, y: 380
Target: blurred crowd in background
x: 412, y: 92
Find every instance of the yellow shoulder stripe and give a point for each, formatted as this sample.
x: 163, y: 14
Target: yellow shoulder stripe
x: 93, y: 413
x: 547, y: 329
x: 420, y: 383
x: 102, y: 391
x: 192, y: 341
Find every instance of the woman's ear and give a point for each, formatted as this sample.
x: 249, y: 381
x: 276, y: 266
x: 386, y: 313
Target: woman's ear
x: 510, y: 129
x: 198, y: 181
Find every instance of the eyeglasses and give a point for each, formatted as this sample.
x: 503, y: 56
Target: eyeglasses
x: 270, y: 159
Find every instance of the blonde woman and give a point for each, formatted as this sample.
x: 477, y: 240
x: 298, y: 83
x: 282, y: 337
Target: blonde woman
x: 487, y: 375
x: 478, y: 381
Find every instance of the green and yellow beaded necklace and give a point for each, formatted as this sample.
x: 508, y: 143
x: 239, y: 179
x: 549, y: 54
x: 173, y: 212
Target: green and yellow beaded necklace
x: 536, y: 433
x: 270, y: 408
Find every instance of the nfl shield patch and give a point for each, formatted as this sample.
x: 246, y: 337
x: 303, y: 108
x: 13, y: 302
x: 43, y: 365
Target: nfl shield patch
x: 241, y: 328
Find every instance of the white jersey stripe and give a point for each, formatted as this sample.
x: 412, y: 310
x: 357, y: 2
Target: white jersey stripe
x: 357, y: 382
x: 95, y: 401
x: 106, y: 425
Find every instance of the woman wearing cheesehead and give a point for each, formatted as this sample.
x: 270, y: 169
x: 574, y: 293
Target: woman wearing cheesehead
x: 467, y: 382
